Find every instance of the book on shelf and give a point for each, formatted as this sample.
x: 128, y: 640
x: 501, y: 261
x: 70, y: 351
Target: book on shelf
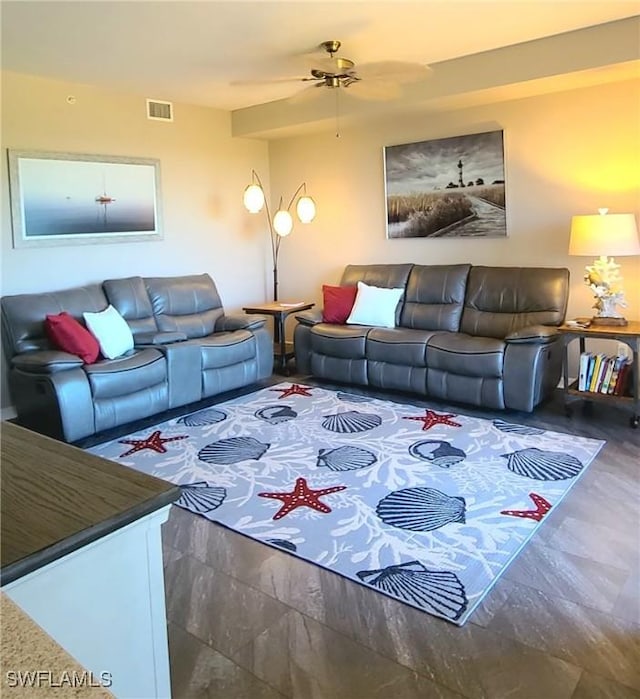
x: 596, y: 373
x: 606, y: 380
x: 584, y: 369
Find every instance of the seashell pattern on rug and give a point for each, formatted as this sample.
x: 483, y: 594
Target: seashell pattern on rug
x: 543, y: 465
x: 201, y: 497
x: 352, y: 397
x: 512, y: 428
x: 351, y: 421
x: 345, y: 458
x: 437, y: 452
x: 439, y: 591
x: 275, y: 414
x: 233, y: 450
x: 209, y: 416
x: 421, y: 509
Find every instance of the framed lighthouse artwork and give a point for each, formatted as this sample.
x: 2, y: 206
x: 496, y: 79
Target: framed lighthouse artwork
x: 75, y: 199
x: 446, y: 188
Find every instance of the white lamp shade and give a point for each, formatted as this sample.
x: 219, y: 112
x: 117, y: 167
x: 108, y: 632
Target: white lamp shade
x: 253, y: 198
x: 306, y: 209
x: 282, y: 223
x: 604, y: 234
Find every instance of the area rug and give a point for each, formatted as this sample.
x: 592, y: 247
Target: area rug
x: 426, y: 506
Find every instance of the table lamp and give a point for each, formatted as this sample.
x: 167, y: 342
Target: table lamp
x: 613, y: 234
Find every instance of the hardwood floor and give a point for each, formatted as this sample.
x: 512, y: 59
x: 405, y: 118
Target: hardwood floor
x: 250, y: 622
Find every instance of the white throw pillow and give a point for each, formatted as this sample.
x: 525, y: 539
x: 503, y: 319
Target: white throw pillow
x: 111, y: 331
x: 375, y: 306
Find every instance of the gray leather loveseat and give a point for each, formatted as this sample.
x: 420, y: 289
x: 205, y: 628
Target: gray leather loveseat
x: 479, y: 335
x: 186, y: 349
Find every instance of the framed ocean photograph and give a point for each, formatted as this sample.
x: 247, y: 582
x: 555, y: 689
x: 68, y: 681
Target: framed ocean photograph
x: 74, y: 199
x: 446, y: 188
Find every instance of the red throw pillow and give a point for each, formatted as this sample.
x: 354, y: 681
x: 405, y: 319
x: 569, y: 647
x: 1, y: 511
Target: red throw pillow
x: 337, y: 303
x: 67, y: 334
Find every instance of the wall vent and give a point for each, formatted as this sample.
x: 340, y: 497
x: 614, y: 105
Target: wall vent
x: 159, y: 110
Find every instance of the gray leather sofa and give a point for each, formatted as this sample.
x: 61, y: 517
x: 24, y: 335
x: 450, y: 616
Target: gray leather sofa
x: 479, y: 335
x: 186, y: 349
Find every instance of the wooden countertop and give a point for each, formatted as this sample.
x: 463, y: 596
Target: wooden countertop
x: 56, y: 498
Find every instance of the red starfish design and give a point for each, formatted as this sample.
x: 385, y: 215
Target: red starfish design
x: 293, y: 390
x: 302, y: 496
x: 155, y: 442
x: 431, y: 418
x: 542, y: 507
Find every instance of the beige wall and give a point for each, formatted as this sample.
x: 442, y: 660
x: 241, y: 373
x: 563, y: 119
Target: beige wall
x: 203, y: 173
x: 566, y: 153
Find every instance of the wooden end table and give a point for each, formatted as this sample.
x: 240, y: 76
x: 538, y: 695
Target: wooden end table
x: 629, y: 335
x: 282, y: 350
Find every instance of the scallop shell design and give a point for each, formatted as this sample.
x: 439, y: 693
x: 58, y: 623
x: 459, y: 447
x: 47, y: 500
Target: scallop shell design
x: 201, y: 497
x: 345, y: 458
x: 274, y: 414
x: 232, y: 450
x: 436, y: 591
x: 513, y: 428
x: 283, y: 544
x: 204, y: 417
x: 421, y: 509
x: 352, y: 397
x: 543, y: 465
x: 437, y: 452
x: 351, y: 421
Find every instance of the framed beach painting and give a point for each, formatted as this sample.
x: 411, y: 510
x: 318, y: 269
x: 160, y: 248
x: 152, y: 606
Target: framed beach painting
x: 74, y: 199
x: 446, y: 188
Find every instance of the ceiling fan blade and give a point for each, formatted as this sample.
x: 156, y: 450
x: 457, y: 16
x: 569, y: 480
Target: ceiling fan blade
x: 266, y: 81
x: 335, y: 65
x: 374, y: 90
x: 395, y: 71
x: 306, y: 95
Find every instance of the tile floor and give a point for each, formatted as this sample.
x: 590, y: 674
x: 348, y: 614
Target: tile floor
x: 250, y: 622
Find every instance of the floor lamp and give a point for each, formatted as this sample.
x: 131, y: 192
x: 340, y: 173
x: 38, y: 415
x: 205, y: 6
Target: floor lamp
x: 281, y: 224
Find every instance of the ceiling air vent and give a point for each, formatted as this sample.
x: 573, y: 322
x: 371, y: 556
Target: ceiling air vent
x: 159, y: 111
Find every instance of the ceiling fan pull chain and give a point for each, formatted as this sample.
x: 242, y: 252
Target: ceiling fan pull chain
x: 337, y: 91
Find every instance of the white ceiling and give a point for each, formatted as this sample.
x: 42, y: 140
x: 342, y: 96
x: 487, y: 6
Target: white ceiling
x: 193, y: 52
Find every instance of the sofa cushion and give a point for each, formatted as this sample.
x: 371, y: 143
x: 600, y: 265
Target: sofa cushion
x: 386, y: 276
x: 501, y: 300
x: 128, y: 374
x: 398, y: 346
x: 188, y: 304
x: 375, y: 306
x: 66, y: 334
x: 111, y: 331
x: 435, y: 297
x: 337, y: 302
x: 130, y: 298
x: 23, y: 314
x: 227, y: 348
x: 462, y: 354
x: 346, y: 341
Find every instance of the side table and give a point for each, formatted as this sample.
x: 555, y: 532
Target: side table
x: 629, y: 335
x: 282, y: 350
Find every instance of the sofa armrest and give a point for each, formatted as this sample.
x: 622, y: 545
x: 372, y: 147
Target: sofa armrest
x: 240, y: 322
x: 157, y: 338
x: 312, y: 317
x: 533, y: 334
x: 45, y: 361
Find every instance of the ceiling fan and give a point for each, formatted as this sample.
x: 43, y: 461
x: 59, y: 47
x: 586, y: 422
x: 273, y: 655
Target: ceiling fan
x: 381, y: 80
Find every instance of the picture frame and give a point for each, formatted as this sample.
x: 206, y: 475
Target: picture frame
x: 446, y: 188
x: 78, y: 199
